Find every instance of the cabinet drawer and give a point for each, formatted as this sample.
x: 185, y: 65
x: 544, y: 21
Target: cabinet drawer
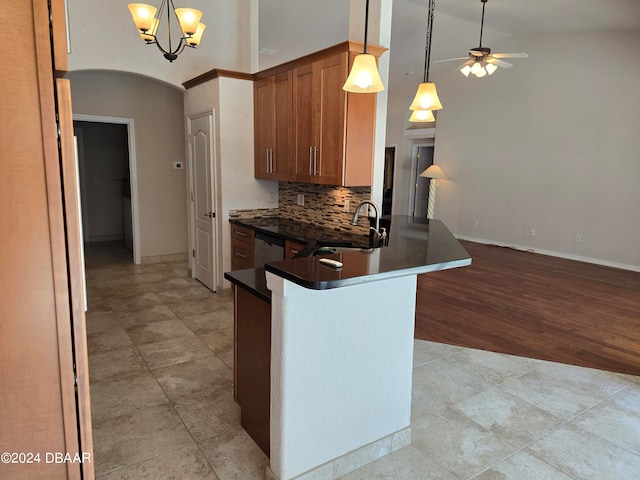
x: 241, y: 255
x: 243, y: 234
x: 291, y: 249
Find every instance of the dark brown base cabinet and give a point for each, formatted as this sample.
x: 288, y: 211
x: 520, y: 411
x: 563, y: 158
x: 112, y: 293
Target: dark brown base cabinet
x: 252, y: 360
x: 44, y: 394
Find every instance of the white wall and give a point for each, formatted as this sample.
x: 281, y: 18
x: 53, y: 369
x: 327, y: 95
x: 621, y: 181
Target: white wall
x: 231, y: 100
x: 551, y: 143
x: 157, y: 110
x: 103, y: 36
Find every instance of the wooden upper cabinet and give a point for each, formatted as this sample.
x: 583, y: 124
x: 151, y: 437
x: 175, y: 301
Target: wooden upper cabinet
x: 332, y: 137
x: 273, y: 119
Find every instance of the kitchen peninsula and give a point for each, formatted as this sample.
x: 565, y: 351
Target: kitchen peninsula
x: 341, y: 347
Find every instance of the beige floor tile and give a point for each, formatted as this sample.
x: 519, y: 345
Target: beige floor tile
x: 186, y: 463
x: 144, y: 316
x: 459, y: 445
x: 186, y: 379
x: 98, y: 305
x: 118, y: 363
x: 234, y: 456
x: 424, y: 351
x: 108, y: 339
x: 219, y: 341
x: 613, y: 423
x: 209, y: 413
x: 227, y: 357
x: 561, y: 398
x: 522, y: 466
x: 209, y: 321
x: 173, y: 351
x: 158, y: 331
x: 185, y: 294
x: 138, y: 436
x: 510, y: 417
x: 170, y: 283
x: 492, y: 368
x: 121, y: 396
x: 157, y: 275
x: 628, y: 398
x: 206, y: 305
x: 408, y: 463
x: 101, y: 321
x: 137, y: 302
x: 125, y: 291
x: 580, y: 454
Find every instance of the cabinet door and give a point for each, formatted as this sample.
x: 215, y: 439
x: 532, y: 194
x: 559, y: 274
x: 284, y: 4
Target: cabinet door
x: 304, y: 110
x: 263, y: 93
x: 330, y: 74
x: 281, y: 153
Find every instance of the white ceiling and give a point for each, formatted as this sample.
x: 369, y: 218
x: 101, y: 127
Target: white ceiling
x: 296, y: 27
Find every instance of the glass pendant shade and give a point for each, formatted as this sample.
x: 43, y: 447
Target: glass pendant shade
x: 149, y: 36
x: 189, y: 19
x: 422, y: 116
x: 491, y: 68
x: 143, y: 15
x: 364, y: 76
x: 194, y: 41
x: 426, y: 98
x: 466, y: 70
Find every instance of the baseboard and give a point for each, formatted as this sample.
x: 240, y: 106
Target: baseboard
x: 568, y: 256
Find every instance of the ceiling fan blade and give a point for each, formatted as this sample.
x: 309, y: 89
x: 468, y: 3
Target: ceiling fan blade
x: 499, y: 63
x: 510, y: 55
x: 450, y: 59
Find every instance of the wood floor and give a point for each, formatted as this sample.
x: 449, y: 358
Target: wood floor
x: 535, y: 306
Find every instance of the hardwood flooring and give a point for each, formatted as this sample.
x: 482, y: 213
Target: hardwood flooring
x: 534, y: 305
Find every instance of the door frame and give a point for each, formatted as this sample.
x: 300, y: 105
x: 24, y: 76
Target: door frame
x: 217, y: 221
x: 133, y: 172
x: 423, y: 142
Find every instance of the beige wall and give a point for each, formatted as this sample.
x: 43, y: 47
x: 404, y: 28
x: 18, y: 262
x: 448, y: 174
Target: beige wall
x: 551, y: 143
x: 158, y: 112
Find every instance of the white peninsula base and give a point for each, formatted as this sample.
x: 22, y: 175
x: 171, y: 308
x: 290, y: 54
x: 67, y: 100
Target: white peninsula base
x: 341, y: 369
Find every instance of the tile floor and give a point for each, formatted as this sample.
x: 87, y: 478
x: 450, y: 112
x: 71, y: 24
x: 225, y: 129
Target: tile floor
x: 160, y: 359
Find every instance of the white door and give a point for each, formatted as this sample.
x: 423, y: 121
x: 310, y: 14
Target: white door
x: 202, y: 199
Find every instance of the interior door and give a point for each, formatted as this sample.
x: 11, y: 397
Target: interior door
x: 421, y: 197
x: 202, y: 199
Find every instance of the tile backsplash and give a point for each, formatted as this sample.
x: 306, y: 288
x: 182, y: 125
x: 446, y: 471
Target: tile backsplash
x: 324, y: 206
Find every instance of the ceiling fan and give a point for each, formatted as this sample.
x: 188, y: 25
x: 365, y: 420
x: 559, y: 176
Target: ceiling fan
x: 481, y: 61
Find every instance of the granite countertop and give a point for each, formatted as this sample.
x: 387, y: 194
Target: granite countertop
x: 300, y: 232
x: 416, y: 246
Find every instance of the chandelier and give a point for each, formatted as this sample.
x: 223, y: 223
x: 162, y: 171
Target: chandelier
x: 144, y: 16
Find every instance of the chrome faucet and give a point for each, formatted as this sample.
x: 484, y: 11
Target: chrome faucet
x: 379, y: 237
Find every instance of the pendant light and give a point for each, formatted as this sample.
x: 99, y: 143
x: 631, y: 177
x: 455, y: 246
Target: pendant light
x: 144, y: 16
x: 364, y: 76
x: 426, y: 97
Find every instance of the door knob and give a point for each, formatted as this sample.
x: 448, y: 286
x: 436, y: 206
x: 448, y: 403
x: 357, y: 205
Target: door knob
x: 210, y: 214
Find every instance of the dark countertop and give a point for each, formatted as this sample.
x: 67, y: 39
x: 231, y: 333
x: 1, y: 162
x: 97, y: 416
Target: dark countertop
x: 299, y: 232
x: 416, y: 245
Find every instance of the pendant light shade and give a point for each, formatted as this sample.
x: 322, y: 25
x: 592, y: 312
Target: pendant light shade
x: 426, y: 98
x: 364, y: 76
x: 422, y: 116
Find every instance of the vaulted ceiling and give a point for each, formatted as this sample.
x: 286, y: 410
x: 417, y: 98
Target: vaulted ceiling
x: 296, y: 27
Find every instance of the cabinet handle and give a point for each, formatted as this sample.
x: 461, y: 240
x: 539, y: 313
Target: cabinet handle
x: 267, y: 158
x: 238, y: 254
x: 238, y: 232
x: 315, y: 155
x: 310, y: 159
x: 271, y: 159
x: 295, y: 252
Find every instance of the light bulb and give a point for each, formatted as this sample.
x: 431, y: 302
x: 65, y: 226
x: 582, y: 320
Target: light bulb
x: 491, y: 68
x: 476, y: 68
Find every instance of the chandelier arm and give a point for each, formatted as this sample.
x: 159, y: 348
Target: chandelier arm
x: 427, y: 53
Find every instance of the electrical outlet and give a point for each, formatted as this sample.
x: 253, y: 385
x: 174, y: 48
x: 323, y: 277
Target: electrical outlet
x: 346, y: 206
x: 578, y: 237
x: 476, y: 223
x: 532, y: 231
x: 273, y: 197
x: 300, y: 200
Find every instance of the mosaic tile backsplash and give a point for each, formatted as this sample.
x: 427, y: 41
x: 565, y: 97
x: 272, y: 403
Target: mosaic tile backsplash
x: 324, y: 206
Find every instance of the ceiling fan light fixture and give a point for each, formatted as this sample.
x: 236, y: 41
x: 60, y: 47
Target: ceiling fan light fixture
x: 422, y: 116
x: 364, y: 76
x: 466, y: 70
x: 491, y: 68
